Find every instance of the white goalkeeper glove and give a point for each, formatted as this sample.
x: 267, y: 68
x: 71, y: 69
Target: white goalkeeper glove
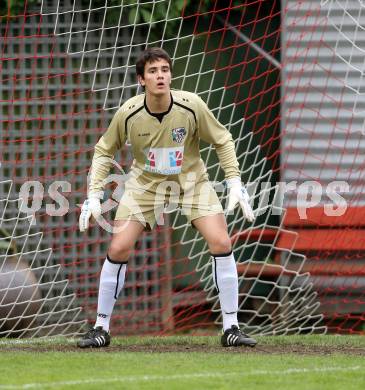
x: 237, y: 193
x: 91, y: 207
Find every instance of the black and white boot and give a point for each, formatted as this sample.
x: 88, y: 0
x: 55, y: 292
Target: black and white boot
x: 94, y: 338
x: 233, y: 337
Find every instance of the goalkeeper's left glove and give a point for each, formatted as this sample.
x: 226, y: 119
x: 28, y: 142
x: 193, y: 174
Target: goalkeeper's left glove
x: 237, y: 193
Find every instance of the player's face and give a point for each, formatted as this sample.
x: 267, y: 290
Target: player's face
x: 157, y: 77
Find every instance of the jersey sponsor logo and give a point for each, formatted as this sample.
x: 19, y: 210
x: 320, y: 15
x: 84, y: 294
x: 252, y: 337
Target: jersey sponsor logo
x: 151, y: 159
x: 176, y: 158
x: 165, y: 161
x: 178, y: 134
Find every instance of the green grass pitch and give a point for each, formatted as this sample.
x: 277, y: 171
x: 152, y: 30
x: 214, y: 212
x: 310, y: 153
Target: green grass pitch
x: 185, y: 362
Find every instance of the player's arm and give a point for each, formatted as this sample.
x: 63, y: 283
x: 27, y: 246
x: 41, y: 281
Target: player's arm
x: 111, y: 141
x: 213, y: 132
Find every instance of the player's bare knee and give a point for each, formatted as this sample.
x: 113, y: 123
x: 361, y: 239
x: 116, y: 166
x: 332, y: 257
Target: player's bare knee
x: 118, y: 253
x: 220, y: 245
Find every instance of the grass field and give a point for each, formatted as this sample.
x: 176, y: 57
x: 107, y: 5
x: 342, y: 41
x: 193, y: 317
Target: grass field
x: 183, y: 362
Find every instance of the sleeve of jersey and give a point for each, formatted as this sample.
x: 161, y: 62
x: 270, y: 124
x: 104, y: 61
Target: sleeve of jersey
x: 213, y: 132
x: 111, y: 141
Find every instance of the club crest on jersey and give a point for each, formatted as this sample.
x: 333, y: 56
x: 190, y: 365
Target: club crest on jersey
x: 178, y: 134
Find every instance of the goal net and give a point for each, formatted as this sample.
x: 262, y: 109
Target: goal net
x: 290, y: 98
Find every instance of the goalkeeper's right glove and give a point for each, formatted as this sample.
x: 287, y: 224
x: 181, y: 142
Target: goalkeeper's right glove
x: 91, y: 207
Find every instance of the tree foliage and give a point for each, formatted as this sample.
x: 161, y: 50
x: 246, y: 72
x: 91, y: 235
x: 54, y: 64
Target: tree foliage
x: 140, y: 11
x: 16, y: 7
x: 153, y: 14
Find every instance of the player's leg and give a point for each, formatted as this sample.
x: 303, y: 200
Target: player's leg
x: 214, y: 230
x: 113, y: 272
x: 111, y: 282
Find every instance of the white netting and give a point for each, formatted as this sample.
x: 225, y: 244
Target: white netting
x: 35, y: 298
x: 289, y: 304
x: 322, y: 139
x: 88, y: 31
x: 103, y: 40
x: 345, y: 28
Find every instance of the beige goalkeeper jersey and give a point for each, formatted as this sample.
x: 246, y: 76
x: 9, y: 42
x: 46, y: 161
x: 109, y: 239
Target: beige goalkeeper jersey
x: 164, y: 150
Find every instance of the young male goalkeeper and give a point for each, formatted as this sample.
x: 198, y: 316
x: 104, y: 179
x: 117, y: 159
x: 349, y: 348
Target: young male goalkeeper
x: 164, y: 127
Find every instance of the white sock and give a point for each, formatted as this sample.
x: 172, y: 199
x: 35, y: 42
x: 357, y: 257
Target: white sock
x: 226, y: 282
x: 111, y: 283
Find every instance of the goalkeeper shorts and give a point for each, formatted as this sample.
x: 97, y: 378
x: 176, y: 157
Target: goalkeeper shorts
x: 147, y: 203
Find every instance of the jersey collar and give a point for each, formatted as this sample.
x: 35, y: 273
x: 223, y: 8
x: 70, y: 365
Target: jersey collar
x: 159, y: 115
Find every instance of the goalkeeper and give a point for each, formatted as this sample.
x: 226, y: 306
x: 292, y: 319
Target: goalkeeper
x: 164, y: 128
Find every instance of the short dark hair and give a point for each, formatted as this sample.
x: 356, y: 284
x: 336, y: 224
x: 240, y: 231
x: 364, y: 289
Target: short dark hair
x: 150, y: 55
